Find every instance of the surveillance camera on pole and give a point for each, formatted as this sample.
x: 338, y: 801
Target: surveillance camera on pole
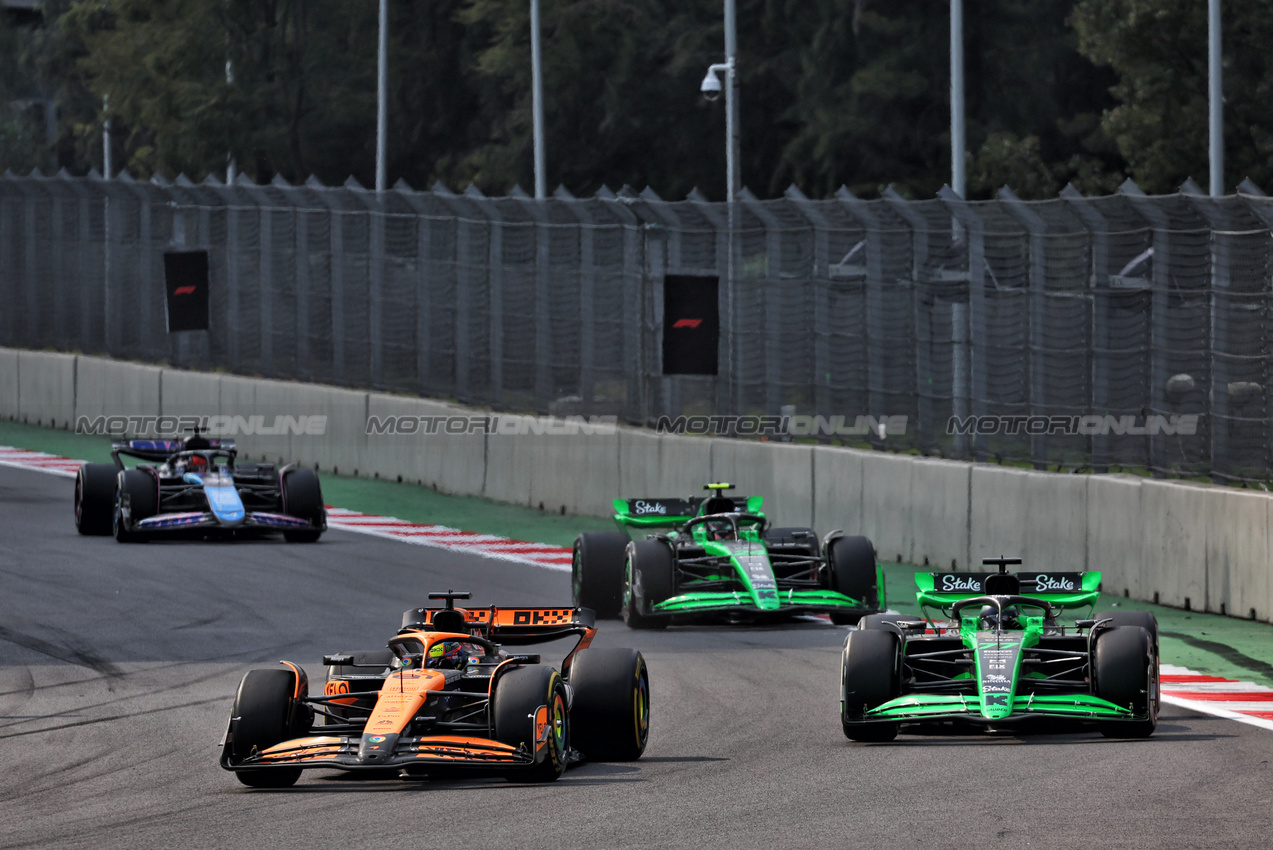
x: 711, y: 87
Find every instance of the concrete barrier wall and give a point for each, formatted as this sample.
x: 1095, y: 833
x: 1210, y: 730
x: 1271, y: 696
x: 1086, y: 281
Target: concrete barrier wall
x: 1114, y: 542
x: 46, y: 388
x: 113, y: 388
x: 1181, y: 543
x: 9, y: 383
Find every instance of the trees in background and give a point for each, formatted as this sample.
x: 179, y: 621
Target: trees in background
x: 852, y: 92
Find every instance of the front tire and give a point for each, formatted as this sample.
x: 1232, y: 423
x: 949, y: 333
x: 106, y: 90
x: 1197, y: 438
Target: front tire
x: 518, y: 696
x: 649, y: 579
x: 851, y: 562
x: 869, y: 677
x: 268, y: 715
x: 143, y: 502
x: 1143, y: 619
x: 1125, y: 672
x: 610, y: 717
x: 596, y: 572
x: 303, y: 498
x: 95, y: 498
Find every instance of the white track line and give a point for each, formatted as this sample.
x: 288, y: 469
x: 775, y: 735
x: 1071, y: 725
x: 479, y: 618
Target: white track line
x: 1244, y: 702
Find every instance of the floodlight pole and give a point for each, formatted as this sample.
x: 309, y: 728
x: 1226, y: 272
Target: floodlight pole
x: 1215, y: 96
x: 537, y: 101
x: 106, y: 137
x: 732, y: 179
x: 382, y: 95
x: 957, y: 97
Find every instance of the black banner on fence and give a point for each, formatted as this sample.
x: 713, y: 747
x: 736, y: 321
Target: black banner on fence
x: 186, y: 286
x: 691, y: 324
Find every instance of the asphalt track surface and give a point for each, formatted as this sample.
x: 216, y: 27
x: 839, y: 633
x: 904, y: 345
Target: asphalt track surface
x: 118, y: 665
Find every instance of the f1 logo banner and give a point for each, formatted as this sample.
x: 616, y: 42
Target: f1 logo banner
x: 691, y: 324
x: 186, y: 287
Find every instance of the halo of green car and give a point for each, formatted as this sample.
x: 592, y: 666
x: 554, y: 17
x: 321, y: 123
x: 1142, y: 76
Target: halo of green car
x: 719, y: 557
x: 1000, y: 658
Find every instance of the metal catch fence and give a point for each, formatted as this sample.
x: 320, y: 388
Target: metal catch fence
x: 1115, y: 332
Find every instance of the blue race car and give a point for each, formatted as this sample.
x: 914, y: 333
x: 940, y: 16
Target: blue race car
x: 194, y: 488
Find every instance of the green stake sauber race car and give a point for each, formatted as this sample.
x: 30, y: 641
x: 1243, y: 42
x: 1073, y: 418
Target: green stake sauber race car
x: 1002, y: 658
x: 714, y: 556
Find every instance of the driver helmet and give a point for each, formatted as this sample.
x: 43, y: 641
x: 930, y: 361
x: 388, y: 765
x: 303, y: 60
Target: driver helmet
x: 990, y: 619
x: 448, y: 655
x: 721, y: 529
x: 198, y: 463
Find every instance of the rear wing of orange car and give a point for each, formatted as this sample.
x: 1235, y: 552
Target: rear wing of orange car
x: 520, y: 625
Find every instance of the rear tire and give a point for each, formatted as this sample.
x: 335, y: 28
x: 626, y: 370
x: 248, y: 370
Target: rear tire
x: 143, y: 502
x: 648, y: 580
x: 518, y: 695
x: 265, y: 706
x: 95, y: 498
x: 869, y: 677
x: 851, y: 562
x: 1125, y: 672
x: 610, y: 717
x: 303, y: 498
x: 596, y: 572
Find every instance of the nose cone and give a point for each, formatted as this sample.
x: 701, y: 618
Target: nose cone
x: 377, y: 748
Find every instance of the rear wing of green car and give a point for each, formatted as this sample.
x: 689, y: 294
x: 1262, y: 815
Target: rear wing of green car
x: 1061, y: 589
x: 663, y: 512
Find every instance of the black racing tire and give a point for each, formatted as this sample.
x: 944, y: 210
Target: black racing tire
x: 610, y: 716
x: 267, y: 715
x: 1144, y: 619
x: 870, y: 677
x: 1125, y: 672
x: 648, y: 579
x: 303, y: 498
x: 95, y: 498
x: 596, y: 572
x: 853, y: 572
x: 143, y: 495
x: 887, y: 622
x: 805, y: 538
x: 518, y: 695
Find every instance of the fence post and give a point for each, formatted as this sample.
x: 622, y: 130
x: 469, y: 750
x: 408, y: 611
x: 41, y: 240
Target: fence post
x: 876, y: 380
x: 1037, y: 352
x: 975, y: 331
x: 1099, y: 287
x: 821, y: 318
x: 495, y: 279
x: 669, y: 387
x: 544, y: 389
x: 1256, y: 201
x: 1158, y: 323
x: 774, y: 300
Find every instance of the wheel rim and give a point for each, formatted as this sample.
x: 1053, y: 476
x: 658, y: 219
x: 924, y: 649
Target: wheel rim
x: 641, y: 706
x: 559, y: 722
x: 79, y: 500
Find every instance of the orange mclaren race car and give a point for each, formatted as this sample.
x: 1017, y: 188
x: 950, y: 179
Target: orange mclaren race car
x: 445, y: 694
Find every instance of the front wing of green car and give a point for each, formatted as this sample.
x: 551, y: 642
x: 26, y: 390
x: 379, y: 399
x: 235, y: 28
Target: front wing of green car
x: 756, y: 589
